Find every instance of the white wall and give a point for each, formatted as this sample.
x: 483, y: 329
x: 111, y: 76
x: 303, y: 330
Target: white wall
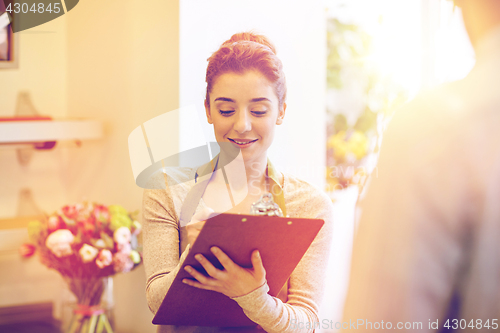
x: 42, y: 73
x: 297, y: 28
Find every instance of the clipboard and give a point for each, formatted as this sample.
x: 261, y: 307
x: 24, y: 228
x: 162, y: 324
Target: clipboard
x: 281, y: 241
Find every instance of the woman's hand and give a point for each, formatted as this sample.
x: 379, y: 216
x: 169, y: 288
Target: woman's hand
x: 234, y: 280
x: 197, y: 222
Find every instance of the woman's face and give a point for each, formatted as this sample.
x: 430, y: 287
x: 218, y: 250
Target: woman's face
x: 244, y: 111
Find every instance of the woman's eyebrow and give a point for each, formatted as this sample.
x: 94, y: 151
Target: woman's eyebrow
x: 253, y: 100
x: 224, y: 99
x: 260, y: 99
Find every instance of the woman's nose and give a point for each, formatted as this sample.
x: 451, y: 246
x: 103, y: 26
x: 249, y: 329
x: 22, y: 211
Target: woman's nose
x: 242, y: 122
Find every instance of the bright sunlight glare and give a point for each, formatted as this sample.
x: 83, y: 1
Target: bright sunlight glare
x: 418, y: 43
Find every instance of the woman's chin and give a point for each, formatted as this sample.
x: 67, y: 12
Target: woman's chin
x: 247, y: 154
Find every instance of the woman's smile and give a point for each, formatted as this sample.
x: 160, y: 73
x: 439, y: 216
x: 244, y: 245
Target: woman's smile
x: 243, y: 143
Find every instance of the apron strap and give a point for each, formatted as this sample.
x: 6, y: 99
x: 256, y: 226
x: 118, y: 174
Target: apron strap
x: 275, y: 187
x: 196, y: 193
x: 191, y: 202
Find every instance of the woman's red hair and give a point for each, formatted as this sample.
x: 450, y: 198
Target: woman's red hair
x: 247, y: 51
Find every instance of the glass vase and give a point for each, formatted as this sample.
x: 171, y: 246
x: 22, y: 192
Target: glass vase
x: 93, y: 310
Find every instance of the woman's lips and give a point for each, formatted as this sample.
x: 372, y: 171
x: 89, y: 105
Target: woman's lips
x: 242, y: 143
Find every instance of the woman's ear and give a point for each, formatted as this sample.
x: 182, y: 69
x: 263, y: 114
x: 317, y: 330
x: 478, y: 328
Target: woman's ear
x: 281, y: 115
x: 207, y: 110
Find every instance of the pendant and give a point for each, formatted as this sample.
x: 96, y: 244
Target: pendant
x: 266, y: 206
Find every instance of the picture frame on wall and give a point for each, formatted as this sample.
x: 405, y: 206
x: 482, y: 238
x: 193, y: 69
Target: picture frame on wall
x: 9, y: 43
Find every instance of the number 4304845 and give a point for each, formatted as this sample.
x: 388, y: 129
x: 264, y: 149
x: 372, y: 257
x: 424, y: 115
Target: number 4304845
x: 17, y: 8
x: 477, y: 324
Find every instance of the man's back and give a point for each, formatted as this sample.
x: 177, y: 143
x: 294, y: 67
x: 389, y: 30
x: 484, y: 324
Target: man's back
x: 431, y: 222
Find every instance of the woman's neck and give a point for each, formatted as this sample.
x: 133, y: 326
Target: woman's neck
x: 240, y: 173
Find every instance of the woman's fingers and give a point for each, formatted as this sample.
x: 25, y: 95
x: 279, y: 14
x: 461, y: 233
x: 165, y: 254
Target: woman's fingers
x: 210, y: 282
x: 197, y: 275
x: 234, y: 280
x: 225, y: 261
x: 197, y: 284
x: 207, y: 265
x: 258, y: 267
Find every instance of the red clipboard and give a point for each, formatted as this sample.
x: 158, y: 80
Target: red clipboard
x: 281, y: 241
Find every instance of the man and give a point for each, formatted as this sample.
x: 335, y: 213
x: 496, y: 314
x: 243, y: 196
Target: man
x: 427, y: 252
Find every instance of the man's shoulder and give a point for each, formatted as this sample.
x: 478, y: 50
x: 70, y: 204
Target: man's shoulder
x: 451, y: 105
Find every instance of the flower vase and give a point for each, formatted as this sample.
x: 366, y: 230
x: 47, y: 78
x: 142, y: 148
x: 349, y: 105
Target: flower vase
x: 92, y: 312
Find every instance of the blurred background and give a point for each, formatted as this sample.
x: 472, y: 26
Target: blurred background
x: 117, y: 64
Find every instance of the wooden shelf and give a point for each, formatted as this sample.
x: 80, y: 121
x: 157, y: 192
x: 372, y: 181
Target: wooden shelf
x: 33, y: 131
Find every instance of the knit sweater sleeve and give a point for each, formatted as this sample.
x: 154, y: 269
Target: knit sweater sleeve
x: 161, y: 245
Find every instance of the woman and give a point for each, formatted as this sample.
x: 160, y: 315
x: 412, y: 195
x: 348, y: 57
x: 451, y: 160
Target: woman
x: 245, y: 100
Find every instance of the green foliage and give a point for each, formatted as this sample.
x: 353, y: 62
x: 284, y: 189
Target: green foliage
x: 347, y: 44
x: 117, y: 210
x: 118, y: 221
x: 351, y: 71
x: 37, y: 232
x: 119, y: 217
x: 339, y: 123
x: 366, y: 122
x: 349, y: 49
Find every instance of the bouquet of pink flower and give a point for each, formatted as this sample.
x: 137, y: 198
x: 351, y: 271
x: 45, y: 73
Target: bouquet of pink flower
x: 86, y: 242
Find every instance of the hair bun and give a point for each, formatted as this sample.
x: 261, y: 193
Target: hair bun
x: 246, y: 51
x: 251, y: 37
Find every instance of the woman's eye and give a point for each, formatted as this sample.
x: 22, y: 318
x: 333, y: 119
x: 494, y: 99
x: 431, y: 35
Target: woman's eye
x: 226, y: 112
x: 259, y: 113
